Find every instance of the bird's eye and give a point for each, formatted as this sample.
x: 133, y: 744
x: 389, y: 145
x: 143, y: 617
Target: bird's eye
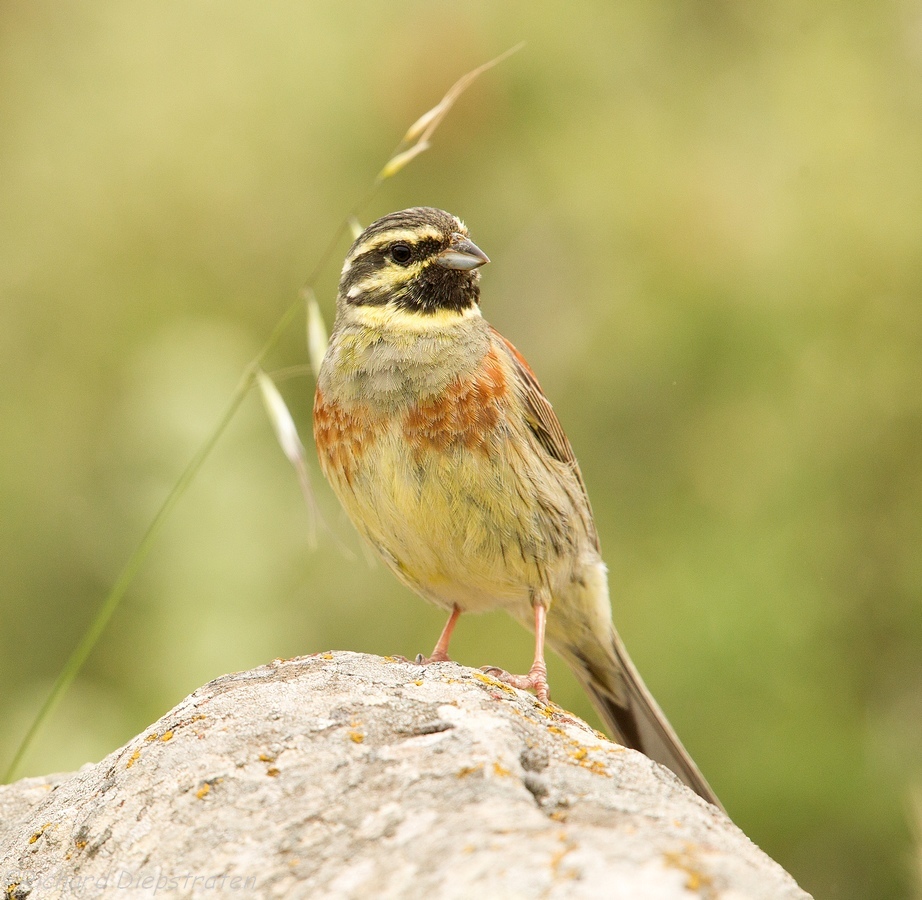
x: 401, y: 253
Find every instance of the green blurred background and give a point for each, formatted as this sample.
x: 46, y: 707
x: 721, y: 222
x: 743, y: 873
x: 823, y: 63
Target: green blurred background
x: 706, y: 227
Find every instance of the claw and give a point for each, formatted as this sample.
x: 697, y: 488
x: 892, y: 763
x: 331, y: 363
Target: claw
x: 535, y: 680
x: 436, y: 657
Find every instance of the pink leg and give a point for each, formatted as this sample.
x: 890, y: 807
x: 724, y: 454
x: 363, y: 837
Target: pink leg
x: 440, y: 654
x: 536, y: 679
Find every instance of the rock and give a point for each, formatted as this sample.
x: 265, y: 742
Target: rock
x: 346, y: 775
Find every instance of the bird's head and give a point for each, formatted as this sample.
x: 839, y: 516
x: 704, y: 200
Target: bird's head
x: 419, y: 261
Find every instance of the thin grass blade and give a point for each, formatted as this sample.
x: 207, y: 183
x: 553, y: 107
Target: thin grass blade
x: 355, y: 226
x: 316, y: 332
x: 286, y: 432
x: 423, y: 128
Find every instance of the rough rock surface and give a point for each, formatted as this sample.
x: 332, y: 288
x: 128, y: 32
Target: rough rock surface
x: 345, y: 775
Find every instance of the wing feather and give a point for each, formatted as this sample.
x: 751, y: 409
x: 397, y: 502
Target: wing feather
x: 543, y: 421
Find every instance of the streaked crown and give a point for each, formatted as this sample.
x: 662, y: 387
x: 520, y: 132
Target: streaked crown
x: 419, y: 260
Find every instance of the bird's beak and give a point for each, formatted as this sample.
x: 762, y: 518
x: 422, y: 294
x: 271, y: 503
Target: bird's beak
x: 462, y: 253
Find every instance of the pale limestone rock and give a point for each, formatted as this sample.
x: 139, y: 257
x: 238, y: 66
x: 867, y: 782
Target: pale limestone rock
x: 345, y: 775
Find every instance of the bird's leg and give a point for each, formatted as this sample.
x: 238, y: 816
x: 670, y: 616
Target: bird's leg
x: 536, y: 679
x: 440, y: 654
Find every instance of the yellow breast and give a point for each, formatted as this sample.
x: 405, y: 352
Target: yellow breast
x: 444, y: 490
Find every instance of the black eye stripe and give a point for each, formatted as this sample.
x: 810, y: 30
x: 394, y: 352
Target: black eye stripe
x: 362, y: 266
x: 377, y: 257
x: 405, y: 276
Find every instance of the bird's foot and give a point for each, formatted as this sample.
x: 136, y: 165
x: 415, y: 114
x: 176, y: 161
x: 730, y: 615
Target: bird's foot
x: 436, y: 657
x: 535, y: 680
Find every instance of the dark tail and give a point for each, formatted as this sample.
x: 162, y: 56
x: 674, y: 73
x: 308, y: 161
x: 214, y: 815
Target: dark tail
x: 634, y: 717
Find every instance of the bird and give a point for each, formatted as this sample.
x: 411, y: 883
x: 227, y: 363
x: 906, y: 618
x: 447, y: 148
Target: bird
x: 449, y: 459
